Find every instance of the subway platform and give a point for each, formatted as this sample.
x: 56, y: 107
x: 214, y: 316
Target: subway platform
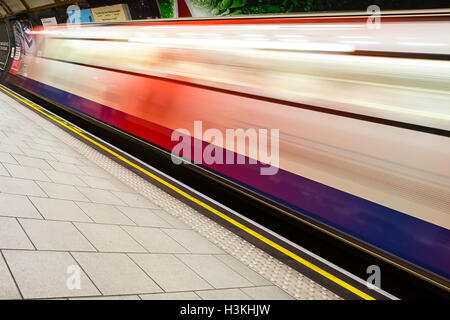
x: 76, y: 224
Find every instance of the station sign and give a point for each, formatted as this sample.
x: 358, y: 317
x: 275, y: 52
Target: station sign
x: 114, y: 13
x: 49, y: 21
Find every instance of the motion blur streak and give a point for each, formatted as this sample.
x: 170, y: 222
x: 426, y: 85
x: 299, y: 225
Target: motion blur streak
x: 363, y: 113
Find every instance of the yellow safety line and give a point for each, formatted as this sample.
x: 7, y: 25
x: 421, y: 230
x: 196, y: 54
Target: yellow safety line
x: 204, y: 205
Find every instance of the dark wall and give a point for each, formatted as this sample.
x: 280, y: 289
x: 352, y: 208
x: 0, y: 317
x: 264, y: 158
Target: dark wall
x: 361, y: 5
x: 139, y: 9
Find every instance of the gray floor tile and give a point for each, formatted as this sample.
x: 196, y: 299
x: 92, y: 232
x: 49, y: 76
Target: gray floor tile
x: 7, y: 158
x: 32, y: 162
x: 169, y: 272
x: 103, y: 213
x: 17, y: 206
x: 20, y: 186
x: 115, y: 273
x: 154, y: 240
x: 48, y: 141
x: 170, y: 296
x: 128, y: 297
x: 135, y: 200
x: 64, y: 210
x: 66, y: 151
x: 8, y: 289
x: 101, y: 196
x: 44, y: 274
x: 223, y: 294
x: 29, y: 152
x: 7, y: 148
x: 3, y: 171
x: 192, y: 241
x: 69, y: 159
x: 29, y: 173
x: 62, y: 191
x: 15, y: 136
x: 12, y: 235
x: 64, y: 178
x: 267, y: 293
x: 12, y: 146
x: 94, y: 171
x: 65, y: 167
x: 144, y: 217
x: 55, y: 235
x: 243, y: 270
x: 104, y: 183
x: 40, y: 147
x: 173, y: 221
x: 214, y: 271
x: 109, y: 238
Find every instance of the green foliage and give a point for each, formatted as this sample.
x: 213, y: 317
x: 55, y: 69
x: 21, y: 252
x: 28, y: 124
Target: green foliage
x: 225, y: 4
x: 166, y: 7
x: 237, y: 7
x: 205, y: 4
x: 238, y: 4
x: 248, y: 7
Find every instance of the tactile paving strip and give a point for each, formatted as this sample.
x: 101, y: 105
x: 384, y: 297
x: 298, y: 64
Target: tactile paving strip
x: 281, y: 275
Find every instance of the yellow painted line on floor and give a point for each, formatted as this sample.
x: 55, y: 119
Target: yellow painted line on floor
x: 201, y: 203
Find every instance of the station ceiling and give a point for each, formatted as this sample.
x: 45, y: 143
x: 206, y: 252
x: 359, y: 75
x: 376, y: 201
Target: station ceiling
x: 12, y: 7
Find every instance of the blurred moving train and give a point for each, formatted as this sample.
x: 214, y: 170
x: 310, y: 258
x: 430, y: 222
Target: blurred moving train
x: 363, y: 111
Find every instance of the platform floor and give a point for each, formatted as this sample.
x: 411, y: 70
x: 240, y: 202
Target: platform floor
x: 74, y: 223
